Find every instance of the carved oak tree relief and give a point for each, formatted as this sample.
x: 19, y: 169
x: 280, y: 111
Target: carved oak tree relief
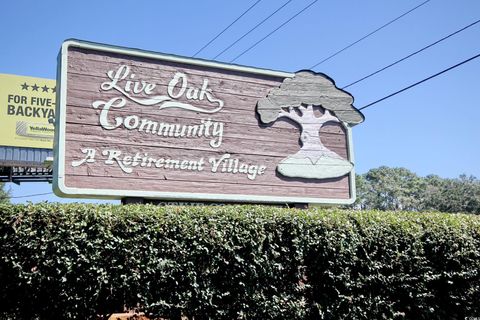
x: 295, y: 99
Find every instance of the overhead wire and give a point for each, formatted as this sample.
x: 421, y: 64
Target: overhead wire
x: 32, y: 195
x: 252, y: 29
x: 412, y: 54
x: 369, y: 34
x: 419, y: 82
x: 275, y: 30
x: 223, y: 31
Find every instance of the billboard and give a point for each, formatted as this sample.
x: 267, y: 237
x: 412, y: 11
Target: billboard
x: 26, y: 105
x: 132, y: 123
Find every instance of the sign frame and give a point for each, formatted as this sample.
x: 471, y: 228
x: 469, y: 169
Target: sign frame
x: 60, y: 188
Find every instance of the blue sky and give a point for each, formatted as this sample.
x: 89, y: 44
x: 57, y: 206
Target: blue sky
x: 430, y: 129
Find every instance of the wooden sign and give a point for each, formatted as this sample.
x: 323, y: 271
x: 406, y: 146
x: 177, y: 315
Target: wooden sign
x: 132, y: 123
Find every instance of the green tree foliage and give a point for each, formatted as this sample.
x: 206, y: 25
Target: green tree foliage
x: 387, y: 188
x: 4, y: 194
x: 452, y: 195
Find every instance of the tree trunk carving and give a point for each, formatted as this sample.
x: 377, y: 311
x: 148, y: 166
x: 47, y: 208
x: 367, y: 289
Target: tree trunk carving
x: 313, y: 160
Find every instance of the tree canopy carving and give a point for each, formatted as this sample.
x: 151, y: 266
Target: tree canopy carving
x: 295, y: 99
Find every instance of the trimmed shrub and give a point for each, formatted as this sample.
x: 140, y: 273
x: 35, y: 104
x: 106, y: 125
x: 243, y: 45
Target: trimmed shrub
x: 80, y: 261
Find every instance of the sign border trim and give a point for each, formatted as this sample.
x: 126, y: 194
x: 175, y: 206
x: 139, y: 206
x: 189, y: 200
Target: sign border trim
x: 60, y: 189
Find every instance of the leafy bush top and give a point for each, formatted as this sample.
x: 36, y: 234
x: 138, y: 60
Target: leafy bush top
x: 236, y: 262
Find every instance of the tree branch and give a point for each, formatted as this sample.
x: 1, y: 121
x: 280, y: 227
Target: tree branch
x: 308, y: 110
x: 327, y: 116
x: 291, y: 114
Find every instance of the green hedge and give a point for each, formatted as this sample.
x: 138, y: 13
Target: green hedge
x: 236, y: 262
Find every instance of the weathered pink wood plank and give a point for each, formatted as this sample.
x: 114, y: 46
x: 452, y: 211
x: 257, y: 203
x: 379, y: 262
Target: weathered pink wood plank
x: 79, y: 88
x: 80, y: 99
x: 98, y: 75
x: 87, y: 115
x: 243, y: 135
x: 269, y: 176
x: 120, y: 183
x: 83, y: 59
x: 231, y: 180
x: 82, y: 85
x: 239, y: 144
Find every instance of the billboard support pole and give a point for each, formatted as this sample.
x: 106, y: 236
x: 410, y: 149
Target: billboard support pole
x: 131, y: 200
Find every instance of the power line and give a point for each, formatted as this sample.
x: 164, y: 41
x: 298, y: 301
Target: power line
x: 419, y: 82
x: 231, y: 24
x: 255, y: 27
x: 275, y: 30
x: 368, y: 35
x: 32, y: 195
x: 412, y: 54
